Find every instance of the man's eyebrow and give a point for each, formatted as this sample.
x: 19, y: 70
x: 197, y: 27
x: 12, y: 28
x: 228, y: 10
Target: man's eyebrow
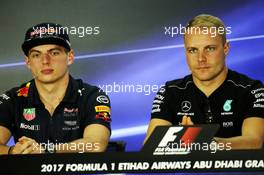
x: 34, y: 50
x: 52, y: 49
x: 211, y: 45
x: 191, y: 47
x: 55, y: 48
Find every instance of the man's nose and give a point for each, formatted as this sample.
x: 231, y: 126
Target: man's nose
x: 46, y: 58
x: 202, y: 56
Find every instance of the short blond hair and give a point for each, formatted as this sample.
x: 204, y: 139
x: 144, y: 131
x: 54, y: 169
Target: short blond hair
x: 207, y: 21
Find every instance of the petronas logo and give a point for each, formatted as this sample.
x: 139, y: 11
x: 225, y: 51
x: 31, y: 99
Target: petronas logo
x: 227, y: 106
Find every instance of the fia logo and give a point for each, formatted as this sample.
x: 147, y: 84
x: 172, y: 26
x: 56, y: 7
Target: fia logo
x: 227, y: 106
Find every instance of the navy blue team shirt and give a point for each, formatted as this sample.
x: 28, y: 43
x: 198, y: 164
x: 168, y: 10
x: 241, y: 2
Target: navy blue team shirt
x: 23, y: 113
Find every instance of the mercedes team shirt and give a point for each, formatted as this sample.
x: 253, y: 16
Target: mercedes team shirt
x: 238, y: 98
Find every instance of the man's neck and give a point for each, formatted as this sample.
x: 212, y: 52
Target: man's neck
x: 208, y: 87
x: 51, y: 94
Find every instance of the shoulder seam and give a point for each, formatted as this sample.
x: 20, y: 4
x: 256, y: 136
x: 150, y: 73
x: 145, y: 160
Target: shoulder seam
x: 239, y: 85
x: 188, y: 82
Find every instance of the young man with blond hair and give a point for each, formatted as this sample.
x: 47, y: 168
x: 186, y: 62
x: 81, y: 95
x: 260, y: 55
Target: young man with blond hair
x: 212, y: 93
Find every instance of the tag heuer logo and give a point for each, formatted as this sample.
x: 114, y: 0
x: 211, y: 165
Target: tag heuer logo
x: 29, y: 114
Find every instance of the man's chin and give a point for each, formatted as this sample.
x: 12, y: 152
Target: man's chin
x: 47, y: 80
x: 203, y: 76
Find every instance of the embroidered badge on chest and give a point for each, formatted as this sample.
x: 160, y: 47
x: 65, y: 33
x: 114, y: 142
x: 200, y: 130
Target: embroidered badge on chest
x: 29, y: 113
x: 227, y: 107
x: 70, y: 112
x: 186, y: 106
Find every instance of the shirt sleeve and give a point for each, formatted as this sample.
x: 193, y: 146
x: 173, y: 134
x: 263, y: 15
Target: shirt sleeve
x: 6, y: 111
x: 255, y: 101
x: 160, y: 105
x: 99, y: 110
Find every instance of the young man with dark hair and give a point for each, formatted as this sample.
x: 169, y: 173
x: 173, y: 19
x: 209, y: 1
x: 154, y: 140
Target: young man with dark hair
x: 53, y: 112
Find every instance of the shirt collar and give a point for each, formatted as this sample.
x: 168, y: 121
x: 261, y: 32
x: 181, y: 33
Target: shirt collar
x: 33, y: 94
x: 72, y: 93
x: 70, y: 96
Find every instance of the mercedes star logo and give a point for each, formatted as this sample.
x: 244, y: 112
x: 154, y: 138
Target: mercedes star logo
x: 186, y: 106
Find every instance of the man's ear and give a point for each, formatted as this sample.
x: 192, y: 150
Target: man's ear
x: 226, y: 48
x: 27, y: 61
x: 70, y: 57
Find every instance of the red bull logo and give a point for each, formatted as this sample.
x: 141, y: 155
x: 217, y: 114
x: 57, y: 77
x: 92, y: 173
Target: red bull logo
x: 24, y: 90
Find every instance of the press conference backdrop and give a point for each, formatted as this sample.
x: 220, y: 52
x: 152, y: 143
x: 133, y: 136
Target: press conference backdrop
x: 130, y: 44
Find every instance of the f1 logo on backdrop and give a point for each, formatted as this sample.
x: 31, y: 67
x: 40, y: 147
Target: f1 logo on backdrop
x: 171, y: 144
